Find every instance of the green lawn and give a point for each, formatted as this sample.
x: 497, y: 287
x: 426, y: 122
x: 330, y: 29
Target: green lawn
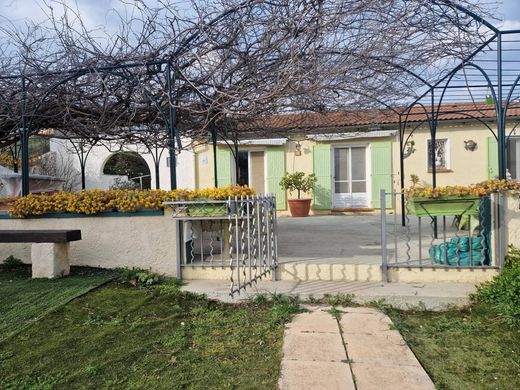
x: 468, y: 349
x: 124, y: 337
x: 24, y: 300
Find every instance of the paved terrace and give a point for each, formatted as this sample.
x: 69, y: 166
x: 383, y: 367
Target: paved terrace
x: 330, y: 239
x: 354, y: 239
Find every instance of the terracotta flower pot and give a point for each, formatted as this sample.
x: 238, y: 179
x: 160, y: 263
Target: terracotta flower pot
x: 299, y: 207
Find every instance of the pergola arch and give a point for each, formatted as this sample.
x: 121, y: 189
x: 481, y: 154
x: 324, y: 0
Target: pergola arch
x: 124, y: 70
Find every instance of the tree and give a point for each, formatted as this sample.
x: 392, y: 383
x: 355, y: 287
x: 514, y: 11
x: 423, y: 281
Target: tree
x: 232, y: 62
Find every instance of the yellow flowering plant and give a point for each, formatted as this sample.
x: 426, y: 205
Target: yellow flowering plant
x: 98, y: 201
x: 476, y: 190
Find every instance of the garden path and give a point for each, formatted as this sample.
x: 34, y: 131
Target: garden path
x: 351, y: 348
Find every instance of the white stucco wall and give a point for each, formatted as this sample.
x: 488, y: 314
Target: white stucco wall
x: 108, y: 242
x: 99, y: 155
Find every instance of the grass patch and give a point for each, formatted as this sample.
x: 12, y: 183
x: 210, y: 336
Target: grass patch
x: 24, y: 300
x: 503, y: 292
x: 468, y: 349
x: 120, y: 336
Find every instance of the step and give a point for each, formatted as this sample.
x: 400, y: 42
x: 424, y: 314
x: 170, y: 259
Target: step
x: 431, y: 296
x: 352, y: 273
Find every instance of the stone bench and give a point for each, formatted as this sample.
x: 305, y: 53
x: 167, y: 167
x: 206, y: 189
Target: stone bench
x: 49, y: 250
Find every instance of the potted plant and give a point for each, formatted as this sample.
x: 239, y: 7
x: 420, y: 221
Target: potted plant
x: 300, y: 183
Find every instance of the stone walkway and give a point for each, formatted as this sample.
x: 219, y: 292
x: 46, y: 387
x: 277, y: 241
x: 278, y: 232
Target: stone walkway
x: 356, y: 349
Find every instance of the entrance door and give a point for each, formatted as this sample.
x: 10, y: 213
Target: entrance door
x: 251, y: 170
x: 350, y: 177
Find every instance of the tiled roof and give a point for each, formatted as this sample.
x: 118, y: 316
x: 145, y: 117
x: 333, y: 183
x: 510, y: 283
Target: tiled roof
x: 367, y: 117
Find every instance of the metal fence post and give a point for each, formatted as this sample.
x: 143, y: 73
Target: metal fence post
x: 384, y: 254
x: 179, y: 248
x: 275, y: 229
x: 501, y: 217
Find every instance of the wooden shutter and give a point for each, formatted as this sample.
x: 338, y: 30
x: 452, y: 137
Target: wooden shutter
x: 321, y: 163
x: 223, y: 167
x: 492, y: 158
x: 381, y: 160
x: 275, y: 157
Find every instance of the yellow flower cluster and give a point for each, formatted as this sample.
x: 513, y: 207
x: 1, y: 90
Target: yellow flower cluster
x: 480, y: 189
x: 98, y: 201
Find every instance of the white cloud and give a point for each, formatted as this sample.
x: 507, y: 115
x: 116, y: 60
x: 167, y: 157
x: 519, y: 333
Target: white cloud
x: 94, y: 13
x: 509, y: 25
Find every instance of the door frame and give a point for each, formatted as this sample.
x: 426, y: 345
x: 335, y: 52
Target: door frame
x: 368, y: 169
x: 249, y: 150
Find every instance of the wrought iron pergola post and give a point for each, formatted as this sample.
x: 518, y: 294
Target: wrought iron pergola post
x: 156, y: 162
x: 433, y: 136
x: 82, y: 163
x: 401, y: 170
x: 214, y: 143
x: 24, y: 141
x: 235, y: 144
x: 501, y: 120
x: 171, y: 126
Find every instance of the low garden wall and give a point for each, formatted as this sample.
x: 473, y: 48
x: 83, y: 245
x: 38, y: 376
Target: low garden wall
x: 143, y: 239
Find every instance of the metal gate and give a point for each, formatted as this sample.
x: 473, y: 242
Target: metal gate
x: 440, y: 239
x: 239, y: 234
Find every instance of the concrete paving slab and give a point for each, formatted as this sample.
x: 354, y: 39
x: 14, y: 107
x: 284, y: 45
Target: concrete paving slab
x: 302, y: 346
x: 379, y: 348
x: 317, y: 321
x: 365, y: 323
x: 374, y: 377
x: 302, y: 375
x: 314, y: 356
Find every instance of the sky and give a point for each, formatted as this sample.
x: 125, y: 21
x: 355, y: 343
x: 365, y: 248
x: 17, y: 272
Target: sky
x: 97, y: 12
x: 510, y: 14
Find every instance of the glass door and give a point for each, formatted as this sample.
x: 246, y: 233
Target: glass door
x: 350, y: 177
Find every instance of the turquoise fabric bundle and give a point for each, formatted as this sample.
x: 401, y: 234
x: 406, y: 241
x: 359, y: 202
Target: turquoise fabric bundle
x: 456, y: 251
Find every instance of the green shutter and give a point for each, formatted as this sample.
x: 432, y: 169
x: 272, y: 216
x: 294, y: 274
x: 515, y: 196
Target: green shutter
x: 321, y: 164
x: 275, y: 156
x: 223, y: 167
x: 492, y: 158
x: 381, y: 160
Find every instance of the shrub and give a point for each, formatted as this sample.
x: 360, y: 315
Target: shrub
x: 138, y: 277
x: 503, y: 292
x: 12, y: 262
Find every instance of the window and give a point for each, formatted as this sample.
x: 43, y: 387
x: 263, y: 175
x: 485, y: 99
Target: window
x: 350, y: 170
x: 441, y: 154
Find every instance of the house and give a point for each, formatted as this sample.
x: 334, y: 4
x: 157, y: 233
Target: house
x: 99, y: 155
x: 355, y: 154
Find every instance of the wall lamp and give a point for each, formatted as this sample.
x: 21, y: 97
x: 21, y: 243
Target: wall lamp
x: 470, y: 145
x: 298, y: 151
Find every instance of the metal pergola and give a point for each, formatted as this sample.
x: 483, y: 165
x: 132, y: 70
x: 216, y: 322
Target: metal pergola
x: 491, y: 70
x: 128, y: 72
x: 487, y: 79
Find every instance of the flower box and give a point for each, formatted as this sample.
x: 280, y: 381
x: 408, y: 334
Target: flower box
x: 207, y: 210
x: 449, y: 206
